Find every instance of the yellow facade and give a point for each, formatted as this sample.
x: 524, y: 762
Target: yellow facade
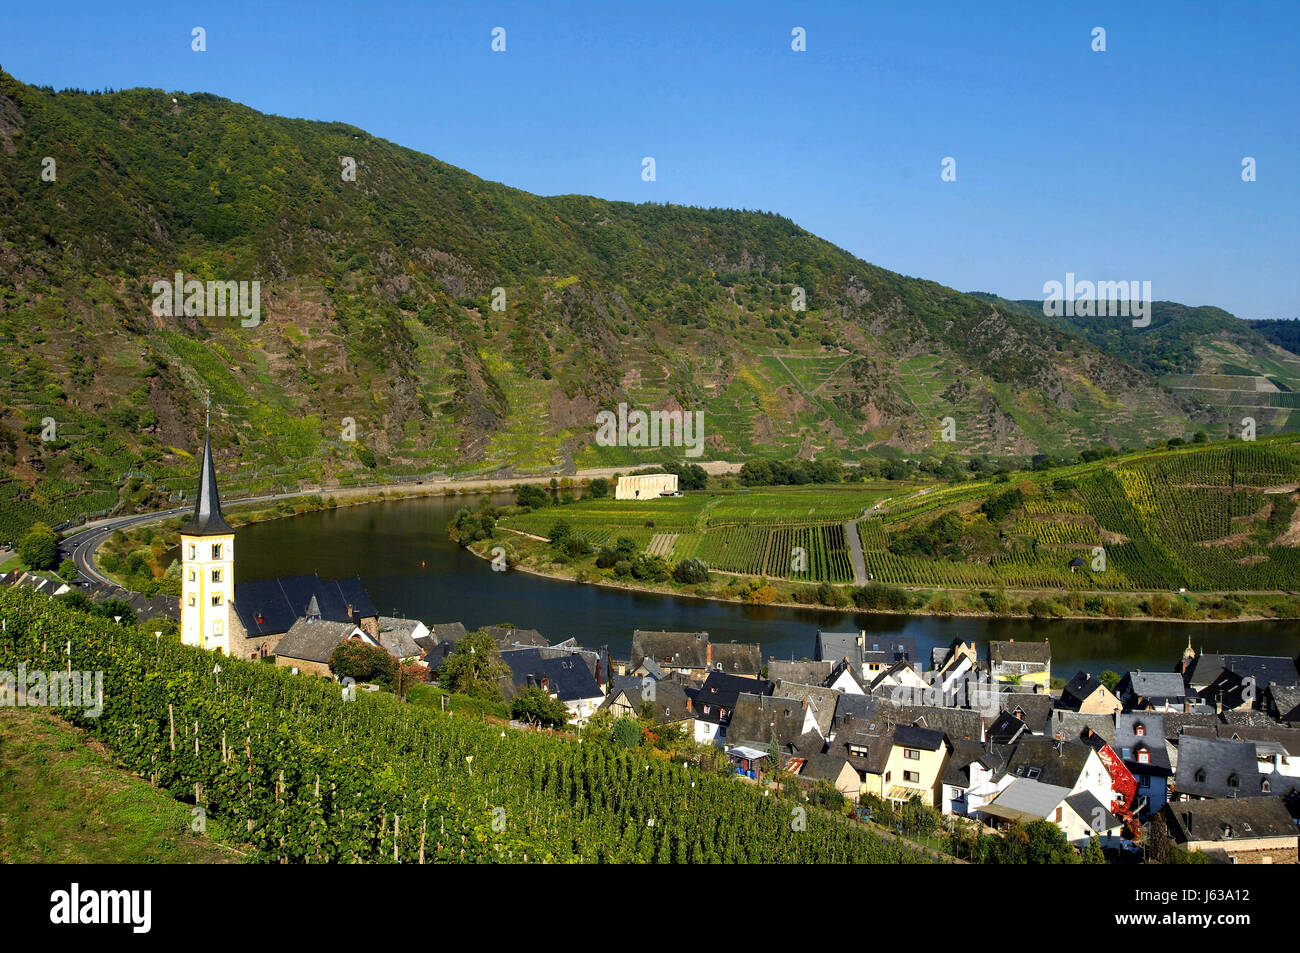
x: 207, y: 575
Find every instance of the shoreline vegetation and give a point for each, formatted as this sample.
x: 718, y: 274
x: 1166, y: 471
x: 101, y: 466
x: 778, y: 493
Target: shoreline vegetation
x: 992, y: 547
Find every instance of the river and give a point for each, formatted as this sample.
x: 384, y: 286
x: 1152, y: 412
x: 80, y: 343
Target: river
x: 401, y: 552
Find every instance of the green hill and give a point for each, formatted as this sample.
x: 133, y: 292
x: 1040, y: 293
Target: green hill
x: 377, y: 298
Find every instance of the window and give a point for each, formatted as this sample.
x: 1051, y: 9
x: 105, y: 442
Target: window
x: 216, y: 598
x: 1140, y: 730
x: 1144, y: 756
x: 193, y: 575
x: 192, y: 551
x: 1267, y: 786
x: 1058, y: 814
x: 911, y: 754
x: 1234, y: 781
x: 216, y: 575
x: 216, y: 628
x: 191, y: 602
x: 216, y: 550
x: 913, y: 777
x: 1200, y: 775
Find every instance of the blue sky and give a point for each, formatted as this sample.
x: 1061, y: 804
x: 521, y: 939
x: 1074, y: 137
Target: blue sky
x: 1117, y: 165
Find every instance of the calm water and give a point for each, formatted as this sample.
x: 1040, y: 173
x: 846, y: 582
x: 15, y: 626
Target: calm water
x: 401, y: 552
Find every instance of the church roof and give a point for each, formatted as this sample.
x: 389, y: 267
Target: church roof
x: 271, y: 606
x: 207, y: 520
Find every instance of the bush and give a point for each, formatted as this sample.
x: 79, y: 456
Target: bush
x: 532, y: 495
x: 627, y: 732
x: 691, y: 571
x: 68, y: 570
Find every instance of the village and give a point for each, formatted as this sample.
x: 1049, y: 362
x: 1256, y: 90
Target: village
x: 1208, y: 751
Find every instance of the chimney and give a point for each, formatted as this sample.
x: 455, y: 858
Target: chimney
x: 1187, y: 706
x: 350, y: 613
x: 708, y: 655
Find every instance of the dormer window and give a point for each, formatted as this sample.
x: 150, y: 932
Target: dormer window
x: 1267, y: 786
x: 1144, y: 756
x: 1140, y: 730
x: 1234, y: 781
x: 1200, y: 775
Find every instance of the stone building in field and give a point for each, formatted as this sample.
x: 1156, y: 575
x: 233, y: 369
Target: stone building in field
x: 648, y: 486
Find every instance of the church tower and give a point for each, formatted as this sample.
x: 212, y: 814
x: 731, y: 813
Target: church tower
x: 207, y: 565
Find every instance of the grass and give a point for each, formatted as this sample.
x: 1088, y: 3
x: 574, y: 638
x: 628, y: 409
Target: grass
x: 62, y: 801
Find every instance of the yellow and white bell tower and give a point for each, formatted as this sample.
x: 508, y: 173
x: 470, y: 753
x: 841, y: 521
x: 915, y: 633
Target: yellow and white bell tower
x: 207, y: 565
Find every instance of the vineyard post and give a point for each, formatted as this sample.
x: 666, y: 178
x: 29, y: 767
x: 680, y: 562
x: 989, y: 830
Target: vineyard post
x: 171, y: 727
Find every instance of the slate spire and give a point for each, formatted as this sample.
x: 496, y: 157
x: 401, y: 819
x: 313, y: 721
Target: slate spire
x: 207, y: 519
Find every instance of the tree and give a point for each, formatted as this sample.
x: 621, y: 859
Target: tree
x: 67, y: 570
x: 474, y: 668
x: 39, y: 549
x: 531, y: 495
x: 1110, y: 679
x: 1092, y: 853
x: 536, y: 707
x: 598, y: 489
x: 359, y: 660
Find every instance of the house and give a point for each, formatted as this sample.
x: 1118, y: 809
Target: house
x: 1215, y: 768
x: 265, y: 610
x: 667, y: 700
x: 647, y: 486
x: 1080, y: 815
x: 821, y: 702
x: 566, y: 678
x: 1283, y: 703
x: 1007, y: 729
x: 1069, y: 725
x: 972, y: 777
x: 440, y: 633
x: 835, y: 770
x: 1236, y: 682
x: 1152, y: 691
x: 1140, y: 741
x: 1033, y: 708
x: 1086, y: 695
x: 1277, y: 749
x: 868, y: 654
x: 1123, y: 784
x: 1021, y: 662
x: 714, y: 702
x: 759, y: 720
x: 917, y: 757
x: 801, y: 673
x: 736, y: 658
x: 1249, y: 830
x: 1069, y: 764
x: 398, y: 637
x: 846, y: 678
x: 956, y: 724
x: 311, y: 641
x: 508, y: 638
x: 902, y: 683
x: 689, y: 653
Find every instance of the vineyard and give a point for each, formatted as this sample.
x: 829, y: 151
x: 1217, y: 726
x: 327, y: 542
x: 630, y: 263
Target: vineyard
x: 309, y: 777
x: 1203, y: 518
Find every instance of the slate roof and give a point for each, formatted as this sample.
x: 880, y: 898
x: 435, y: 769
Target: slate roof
x: 441, y: 632
x: 1026, y: 800
x: 672, y: 649
x: 514, y: 638
x: 1157, y: 688
x: 821, y: 700
x: 1033, y: 708
x: 1038, y: 652
x: 755, y: 717
x: 1271, y: 738
x: 271, y: 606
x: 878, y: 743
x: 207, y: 520
x: 1095, y: 814
x: 955, y: 723
x: 1229, y: 821
x: 1284, y: 702
x: 1176, y: 721
x: 863, y: 647
x: 1007, y: 729
x: 568, y: 677
x: 313, y: 641
x: 1079, y: 689
x: 1220, y: 761
x: 910, y: 736
x: 822, y: 767
x: 1051, y: 762
x: 1208, y: 667
x: 395, y: 637
x: 669, y: 702
x: 801, y: 673
x: 721, y: 691
x: 737, y: 658
x: 1127, y: 742
x: 1069, y: 725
